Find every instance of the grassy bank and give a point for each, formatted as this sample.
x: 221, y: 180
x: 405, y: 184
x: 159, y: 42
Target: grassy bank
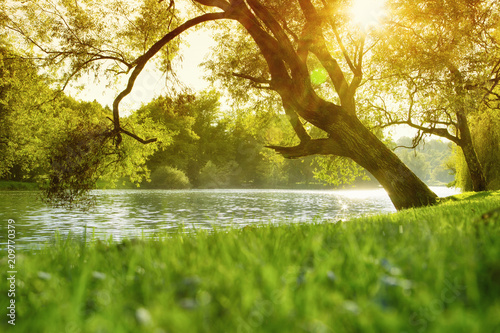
x: 10, y: 185
x: 424, y: 270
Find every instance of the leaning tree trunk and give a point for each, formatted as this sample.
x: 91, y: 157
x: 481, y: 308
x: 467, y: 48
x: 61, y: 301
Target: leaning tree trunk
x: 404, y: 188
x: 348, y: 137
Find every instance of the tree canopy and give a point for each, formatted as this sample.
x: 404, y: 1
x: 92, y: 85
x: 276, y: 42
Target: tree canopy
x: 442, y: 64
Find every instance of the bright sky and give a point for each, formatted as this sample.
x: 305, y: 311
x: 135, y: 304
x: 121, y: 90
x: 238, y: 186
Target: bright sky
x: 367, y: 12
x: 150, y: 82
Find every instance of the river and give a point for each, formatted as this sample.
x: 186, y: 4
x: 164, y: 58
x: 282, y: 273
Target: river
x: 131, y: 213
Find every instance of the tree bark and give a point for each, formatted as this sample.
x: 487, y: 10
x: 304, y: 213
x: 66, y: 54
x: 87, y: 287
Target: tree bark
x: 470, y: 155
x: 404, y: 188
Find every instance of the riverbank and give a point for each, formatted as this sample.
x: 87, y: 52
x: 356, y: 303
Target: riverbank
x: 11, y: 185
x: 433, y: 269
x: 8, y: 185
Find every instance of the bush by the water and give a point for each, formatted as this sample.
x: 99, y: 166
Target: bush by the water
x: 166, y: 177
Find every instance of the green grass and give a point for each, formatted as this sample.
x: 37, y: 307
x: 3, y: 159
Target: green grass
x: 435, y: 269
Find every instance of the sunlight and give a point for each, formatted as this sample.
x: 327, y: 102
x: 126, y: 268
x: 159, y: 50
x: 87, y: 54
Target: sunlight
x: 367, y: 12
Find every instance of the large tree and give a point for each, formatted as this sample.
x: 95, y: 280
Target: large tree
x: 442, y: 60
x: 21, y: 93
x: 288, y: 34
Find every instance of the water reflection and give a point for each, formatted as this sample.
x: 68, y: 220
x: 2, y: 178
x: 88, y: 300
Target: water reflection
x: 126, y: 213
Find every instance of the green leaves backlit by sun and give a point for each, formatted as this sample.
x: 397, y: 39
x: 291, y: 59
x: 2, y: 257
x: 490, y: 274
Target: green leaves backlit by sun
x: 367, y: 13
x: 319, y: 76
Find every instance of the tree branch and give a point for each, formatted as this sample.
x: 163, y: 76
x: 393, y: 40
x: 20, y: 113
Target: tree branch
x: 342, y: 47
x: 252, y: 78
x: 299, y: 70
x: 313, y: 147
x: 358, y: 73
x: 315, y: 42
x: 267, y: 44
x: 290, y: 32
x: 333, y: 69
x: 132, y: 135
x: 142, y: 61
x: 258, y: 83
x: 297, y: 125
x: 96, y: 55
x: 442, y: 132
x: 292, y: 115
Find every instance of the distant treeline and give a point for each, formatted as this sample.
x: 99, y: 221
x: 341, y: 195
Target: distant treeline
x: 430, y: 161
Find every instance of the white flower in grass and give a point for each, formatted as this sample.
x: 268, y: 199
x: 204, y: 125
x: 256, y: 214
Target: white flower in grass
x: 143, y: 316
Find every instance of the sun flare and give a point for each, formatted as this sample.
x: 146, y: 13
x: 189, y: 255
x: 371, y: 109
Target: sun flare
x: 367, y: 12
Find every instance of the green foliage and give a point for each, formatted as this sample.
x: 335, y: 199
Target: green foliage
x: 486, y: 135
x: 9, y: 185
x: 236, y: 52
x: 74, y: 146
x: 432, y: 269
x: 222, y: 149
x: 240, y: 55
x: 451, y: 31
x: 195, y: 137
x: 166, y: 177
x: 24, y: 100
x: 429, y: 160
x: 72, y: 38
x: 76, y: 163
x: 64, y: 144
x: 437, y: 62
x: 459, y: 165
x: 198, y: 131
x: 338, y: 171
x: 213, y: 176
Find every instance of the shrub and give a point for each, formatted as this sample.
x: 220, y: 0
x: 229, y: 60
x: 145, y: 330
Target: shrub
x: 167, y: 177
x: 213, y: 176
x: 76, y: 161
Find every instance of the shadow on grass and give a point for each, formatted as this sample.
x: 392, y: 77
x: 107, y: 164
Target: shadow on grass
x: 482, y: 195
x: 469, y: 196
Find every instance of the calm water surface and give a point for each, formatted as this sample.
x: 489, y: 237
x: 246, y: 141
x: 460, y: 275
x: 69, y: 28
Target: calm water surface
x: 128, y: 213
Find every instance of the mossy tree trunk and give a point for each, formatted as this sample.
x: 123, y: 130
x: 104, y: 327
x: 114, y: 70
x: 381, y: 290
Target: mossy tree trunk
x: 465, y: 142
x: 348, y: 137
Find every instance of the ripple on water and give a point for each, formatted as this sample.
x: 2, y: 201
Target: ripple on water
x: 129, y: 213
